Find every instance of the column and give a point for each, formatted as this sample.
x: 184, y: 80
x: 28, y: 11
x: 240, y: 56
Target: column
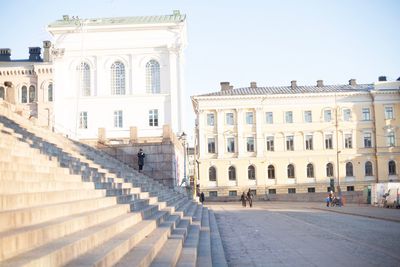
x: 239, y: 140
x: 259, y: 135
x: 220, y: 133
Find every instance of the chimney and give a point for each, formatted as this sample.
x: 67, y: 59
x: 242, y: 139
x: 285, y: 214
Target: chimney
x: 352, y: 82
x: 5, y: 54
x: 34, y: 54
x: 293, y: 84
x: 253, y: 85
x: 46, y: 51
x: 225, y: 86
x: 320, y: 83
x: 382, y: 78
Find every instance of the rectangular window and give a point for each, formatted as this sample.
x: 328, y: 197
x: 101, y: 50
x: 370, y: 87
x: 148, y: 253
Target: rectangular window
x: 390, y: 139
x: 350, y: 188
x: 348, y: 141
x: 211, y: 145
x: 232, y: 193
x: 309, y: 142
x: 289, y: 117
x: 229, y: 118
x: 292, y: 190
x: 153, y: 117
x: 389, y: 113
x: 118, y: 119
x: 249, y: 118
x: 83, y: 120
x: 346, y: 114
x: 367, y: 140
x: 311, y: 190
x: 210, y: 119
x: 366, y: 115
x: 270, y: 143
x: 307, y: 116
x: 289, y: 143
x: 327, y: 115
x: 269, y: 118
x: 328, y: 141
x: 272, y: 191
x: 230, y: 144
x: 250, y: 144
x: 213, y: 193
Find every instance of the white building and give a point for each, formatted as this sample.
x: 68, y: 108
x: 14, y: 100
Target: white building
x: 118, y: 73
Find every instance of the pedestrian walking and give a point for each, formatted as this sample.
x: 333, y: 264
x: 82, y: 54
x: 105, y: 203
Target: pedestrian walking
x: 141, y: 157
x: 243, y: 198
x: 201, y: 197
x: 250, y: 198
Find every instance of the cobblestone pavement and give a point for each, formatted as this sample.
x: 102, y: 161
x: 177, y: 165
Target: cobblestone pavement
x: 286, y: 234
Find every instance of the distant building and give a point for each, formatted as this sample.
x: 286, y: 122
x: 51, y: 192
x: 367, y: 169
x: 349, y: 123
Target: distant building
x: 297, y: 139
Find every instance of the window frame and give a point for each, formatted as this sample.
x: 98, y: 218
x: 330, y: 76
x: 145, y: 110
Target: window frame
x: 308, y: 116
x: 211, y: 119
x: 232, y: 173
x: 118, y: 78
x: 288, y: 116
x: 83, y: 120
x: 251, y: 172
x: 250, y: 144
x: 389, y: 115
x: 153, y: 118
x: 325, y: 115
x: 212, y: 174
x: 309, y: 142
x: 211, y: 147
x: 347, y: 114
x: 291, y: 174
x: 392, y: 167
x: 153, y: 77
x: 329, y: 169
x: 229, y: 120
x: 249, y: 117
x: 348, y: 140
x: 269, y: 117
x: 367, y: 139
x: 270, y: 143
x: 289, y: 139
x: 230, y: 145
x: 118, y: 119
x: 366, y: 116
x: 271, y: 171
x: 368, y: 169
x: 349, y: 169
x: 310, y: 170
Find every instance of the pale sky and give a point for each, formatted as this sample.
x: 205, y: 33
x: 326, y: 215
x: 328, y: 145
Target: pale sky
x: 270, y: 42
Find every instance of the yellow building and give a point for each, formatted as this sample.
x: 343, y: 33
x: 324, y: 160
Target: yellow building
x: 297, y: 139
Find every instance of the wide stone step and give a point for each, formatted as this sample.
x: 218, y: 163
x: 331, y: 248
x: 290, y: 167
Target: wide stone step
x: 204, y: 248
x: 37, y: 160
x: 26, y: 175
x: 41, y: 168
x: 217, y: 250
x: 42, y: 186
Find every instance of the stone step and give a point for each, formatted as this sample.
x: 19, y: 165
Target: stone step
x: 217, y: 250
x: 27, y: 175
x: 33, y: 215
x: 22, y: 239
x: 204, y: 247
x: 37, y: 160
x: 43, y: 168
x: 42, y: 186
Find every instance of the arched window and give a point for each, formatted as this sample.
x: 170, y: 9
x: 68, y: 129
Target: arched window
x: 84, y: 78
x: 212, y: 174
x: 271, y: 172
x: 24, y: 94
x: 329, y: 170
x: 310, y: 170
x: 349, y: 169
x: 232, y: 173
x: 290, y: 171
x: 251, y: 172
x: 368, y: 168
x: 118, y: 78
x: 50, y: 93
x: 2, y: 92
x: 32, y: 94
x: 392, y: 167
x: 153, y: 77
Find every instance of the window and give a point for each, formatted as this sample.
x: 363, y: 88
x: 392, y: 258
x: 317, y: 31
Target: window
x: 327, y: 115
x: 213, y: 194
x: 249, y: 118
x: 210, y: 119
x: 272, y: 191
x: 153, y: 117
x: 368, y: 168
x: 270, y: 143
x: 389, y: 113
x: 366, y: 115
x: 271, y: 172
x: 367, y: 140
x: 118, y: 78
x: 290, y: 171
x: 307, y: 116
x: 328, y: 141
x: 309, y: 142
x: 349, y: 169
x: 390, y: 139
x: 2, y: 92
x: 250, y: 144
x: 269, y: 119
x: 212, y: 174
x: 232, y: 193
x: 153, y: 77
x: 211, y: 145
x: 251, y: 172
x: 253, y: 192
x: 24, y: 94
x: 292, y: 190
x: 310, y: 171
x: 118, y: 119
x: 229, y: 119
x: 346, y: 114
x: 289, y: 117
x: 50, y: 93
x: 392, y: 167
x: 311, y: 189
x: 289, y: 143
x: 230, y: 144
x: 232, y: 173
x: 83, y: 120
x: 83, y: 71
x: 348, y: 141
x: 350, y: 188
x: 32, y: 94
x: 329, y: 170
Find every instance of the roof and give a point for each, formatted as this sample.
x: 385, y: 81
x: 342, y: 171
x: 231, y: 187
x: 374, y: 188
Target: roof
x: 176, y: 17
x: 277, y: 90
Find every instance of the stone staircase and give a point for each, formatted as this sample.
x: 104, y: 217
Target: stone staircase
x: 63, y: 203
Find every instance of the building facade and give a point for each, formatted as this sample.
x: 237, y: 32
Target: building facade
x: 297, y: 139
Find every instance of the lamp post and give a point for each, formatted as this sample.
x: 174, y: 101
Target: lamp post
x: 183, y: 138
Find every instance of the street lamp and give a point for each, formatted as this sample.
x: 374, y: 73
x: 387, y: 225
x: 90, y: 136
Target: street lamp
x: 183, y: 138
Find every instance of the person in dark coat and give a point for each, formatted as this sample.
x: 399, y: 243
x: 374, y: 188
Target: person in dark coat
x: 250, y: 198
x: 141, y: 157
x: 243, y: 199
x: 201, y: 197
